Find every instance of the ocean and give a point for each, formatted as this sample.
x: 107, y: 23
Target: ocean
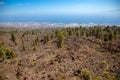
x: 81, y: 19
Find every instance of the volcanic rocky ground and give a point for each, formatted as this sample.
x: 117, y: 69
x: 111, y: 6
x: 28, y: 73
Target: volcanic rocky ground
x: 51, y: 63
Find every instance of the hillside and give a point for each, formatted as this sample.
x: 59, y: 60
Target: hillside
x: 60, y: 54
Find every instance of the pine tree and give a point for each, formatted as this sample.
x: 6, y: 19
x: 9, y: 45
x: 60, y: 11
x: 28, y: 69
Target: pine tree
x: 106, y: 37
x: 23, y: 46
x: 100, y: 36
x: 110, y: 35
x: 45, y: 39
x: 13, y: 38
x: 78, y: 33
x: 115, y: 35
x: 60, y: 37
x: 48, y: 37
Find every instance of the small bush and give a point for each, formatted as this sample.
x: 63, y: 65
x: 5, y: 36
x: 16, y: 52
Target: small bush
x: 10, y: 54
x: 103, y: 62
x: 85, y: 74
x: 6, y: 53
x: 1, y: 44
x: 2, y: 54
x: 2, y: 77
x: 108, y: 76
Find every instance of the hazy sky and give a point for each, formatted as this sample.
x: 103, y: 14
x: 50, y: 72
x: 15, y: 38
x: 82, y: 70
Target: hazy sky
x: 32, y: 8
